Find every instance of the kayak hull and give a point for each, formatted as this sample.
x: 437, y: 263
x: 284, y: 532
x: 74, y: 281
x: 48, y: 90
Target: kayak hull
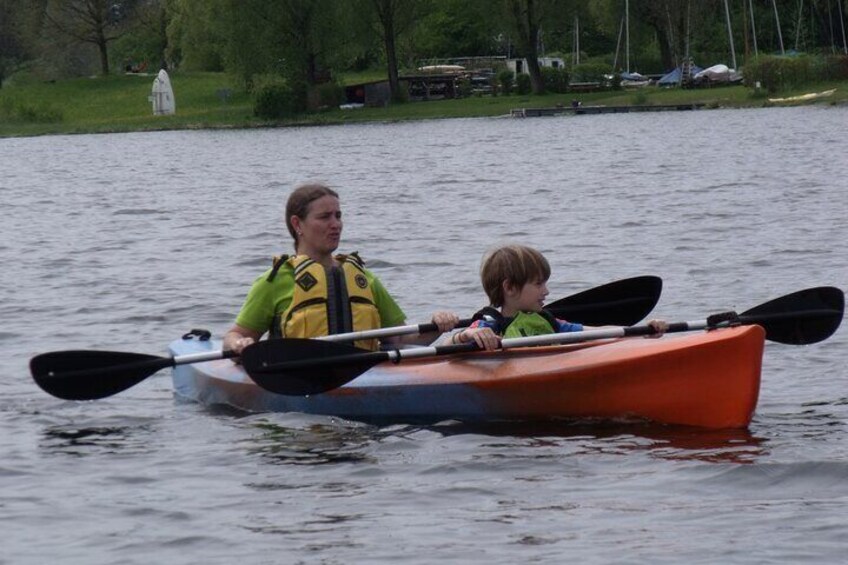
x: 705, y: 379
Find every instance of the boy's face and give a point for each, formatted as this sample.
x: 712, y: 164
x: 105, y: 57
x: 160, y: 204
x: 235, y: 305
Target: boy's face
x: 529, y: 298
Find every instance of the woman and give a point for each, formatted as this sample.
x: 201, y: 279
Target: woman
x: 316, y: 293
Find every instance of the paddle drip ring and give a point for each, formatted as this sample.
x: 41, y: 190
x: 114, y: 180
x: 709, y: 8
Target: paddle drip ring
x: 723, y: 319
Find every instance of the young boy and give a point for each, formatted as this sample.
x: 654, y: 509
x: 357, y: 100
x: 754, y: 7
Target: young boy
x: 515, y: 280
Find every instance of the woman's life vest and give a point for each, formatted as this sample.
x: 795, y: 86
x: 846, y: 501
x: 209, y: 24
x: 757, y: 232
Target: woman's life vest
x: 327, y: 300
x: 523, y: 324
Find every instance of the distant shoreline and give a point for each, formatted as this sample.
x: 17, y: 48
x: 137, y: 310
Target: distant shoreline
x: 119, y: 104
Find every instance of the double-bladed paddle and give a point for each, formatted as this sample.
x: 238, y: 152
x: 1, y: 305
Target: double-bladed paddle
x: 619, y: 303
x: 299, y: 367
x: 89, y: 375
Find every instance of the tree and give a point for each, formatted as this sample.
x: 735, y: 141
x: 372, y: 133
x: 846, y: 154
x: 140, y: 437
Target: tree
x: 456, y: 28
x: 12, y: 50
x: 394, y: 18
x: 526, y: 18
x: 197, y: 36
x: 153, y: 17
x: 98, y: 22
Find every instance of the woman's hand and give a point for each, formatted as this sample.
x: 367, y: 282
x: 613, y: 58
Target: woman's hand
x: 238, y: 344
x: 659, y: 327
x: 237, y: 338
x: 445, y: 321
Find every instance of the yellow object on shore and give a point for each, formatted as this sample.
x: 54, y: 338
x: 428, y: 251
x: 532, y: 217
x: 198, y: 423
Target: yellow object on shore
x: 804, y: 97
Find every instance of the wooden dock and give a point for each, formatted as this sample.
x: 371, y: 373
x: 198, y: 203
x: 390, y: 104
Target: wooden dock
x: 577, y: 110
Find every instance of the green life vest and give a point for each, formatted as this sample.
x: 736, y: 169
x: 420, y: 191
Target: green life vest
x: 523, y: 324
x: 526, y: 324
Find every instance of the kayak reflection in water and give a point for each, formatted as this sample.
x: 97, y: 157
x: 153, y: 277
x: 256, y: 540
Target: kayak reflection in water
x: 316, y: 293
x: 515, y: 279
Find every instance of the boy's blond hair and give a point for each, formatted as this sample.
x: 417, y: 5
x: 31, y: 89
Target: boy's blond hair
x: 514, y: 264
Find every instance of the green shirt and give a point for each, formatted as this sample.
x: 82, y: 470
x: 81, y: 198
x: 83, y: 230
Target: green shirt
x: 268, y: 299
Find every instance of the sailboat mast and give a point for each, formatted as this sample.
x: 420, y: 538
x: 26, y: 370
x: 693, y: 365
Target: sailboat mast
x: 576, y: 58
x: 753, y: 26
x: 777, y: 20
x: 730, y: 34
x: 618, y: 46
x: 627, y: 33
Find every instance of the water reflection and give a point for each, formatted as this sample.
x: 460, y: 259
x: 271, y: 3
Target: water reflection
x: 317, y: 443
x: 92, y: 439
x: 660, y: 441
x: 333, y: 440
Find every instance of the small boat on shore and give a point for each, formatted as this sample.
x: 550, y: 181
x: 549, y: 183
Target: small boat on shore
x: 706, y: 379
x: 803, y: 97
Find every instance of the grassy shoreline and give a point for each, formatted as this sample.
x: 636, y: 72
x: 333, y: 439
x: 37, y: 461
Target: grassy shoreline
x: 119, y: 104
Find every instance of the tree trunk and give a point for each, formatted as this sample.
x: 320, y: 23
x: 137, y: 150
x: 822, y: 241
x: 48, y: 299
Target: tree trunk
x: 163, y: 38
x: 391, y: 64
x: 104, y: 57
x: 526, y: 18
x: 666, y: 56
x: 386, y: 13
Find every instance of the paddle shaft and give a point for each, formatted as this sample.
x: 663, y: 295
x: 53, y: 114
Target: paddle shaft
x: 154, y: 364
x: 390, y: 331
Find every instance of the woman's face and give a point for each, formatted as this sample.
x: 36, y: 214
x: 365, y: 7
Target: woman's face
x: 321, y: 230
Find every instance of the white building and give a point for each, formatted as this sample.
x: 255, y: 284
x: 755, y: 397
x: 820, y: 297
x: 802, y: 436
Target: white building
x: 519, y: 66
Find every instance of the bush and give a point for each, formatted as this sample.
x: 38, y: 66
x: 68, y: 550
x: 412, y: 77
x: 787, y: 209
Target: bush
x: 776, y: 73
x: 834, y: 67
x: 555, y: 80
x: 505, y: 81
x: 464, y: 87
x: 326, y: 95
x: 276, y: 99
x: 523, y: 84
x: 589, y: 72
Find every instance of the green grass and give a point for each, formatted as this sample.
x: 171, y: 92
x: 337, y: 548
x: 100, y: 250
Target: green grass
x: 119, y: 103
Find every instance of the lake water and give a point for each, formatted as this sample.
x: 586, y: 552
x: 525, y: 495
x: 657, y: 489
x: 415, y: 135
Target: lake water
x: 124, y: 242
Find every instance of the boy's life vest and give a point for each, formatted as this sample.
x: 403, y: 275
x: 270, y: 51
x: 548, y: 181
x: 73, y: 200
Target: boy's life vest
x: 327, y: 300
x: 523, y: 324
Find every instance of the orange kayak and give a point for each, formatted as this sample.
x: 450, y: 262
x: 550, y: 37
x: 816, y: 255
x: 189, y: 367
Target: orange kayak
x: 705, y: 379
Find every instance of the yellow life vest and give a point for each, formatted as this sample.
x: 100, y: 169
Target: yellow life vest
x: 328, y: 300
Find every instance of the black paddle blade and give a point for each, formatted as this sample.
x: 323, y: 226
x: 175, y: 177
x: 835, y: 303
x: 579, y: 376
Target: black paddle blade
x: 89, y: 375
x: 300, y: 367
x: 619, y: 303
x: 800, y: 318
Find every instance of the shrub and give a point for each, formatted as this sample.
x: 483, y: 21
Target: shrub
x: 275, y: 99
x: 522, y: 84
x: 834, y: 67
x: 505, y: 81
x: 589, y: 72
x: 776, y: 73
x: 555, y: 80
x: 464, y: 87
x: 325, y: 95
